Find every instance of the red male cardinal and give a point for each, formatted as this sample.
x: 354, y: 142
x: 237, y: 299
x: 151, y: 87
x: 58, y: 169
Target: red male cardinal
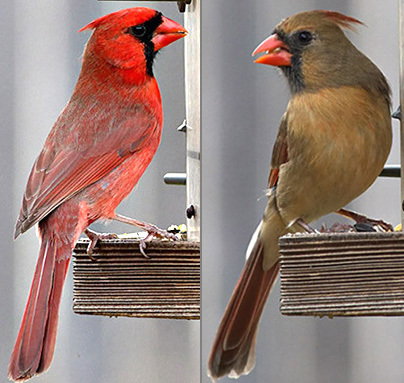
x: 95, y: 154
x: 332, y: 143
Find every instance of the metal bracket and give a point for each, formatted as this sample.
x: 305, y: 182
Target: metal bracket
x: 183, y: 127
x: 182, y: 5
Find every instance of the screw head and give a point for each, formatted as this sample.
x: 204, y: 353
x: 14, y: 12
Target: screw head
x: 190, y: 212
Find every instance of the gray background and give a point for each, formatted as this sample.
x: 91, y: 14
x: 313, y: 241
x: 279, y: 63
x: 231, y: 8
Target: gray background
x: 242, y: 104
x: 39, y: 65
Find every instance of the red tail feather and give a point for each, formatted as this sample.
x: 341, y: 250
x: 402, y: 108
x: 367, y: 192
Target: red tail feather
x: 33, y: 350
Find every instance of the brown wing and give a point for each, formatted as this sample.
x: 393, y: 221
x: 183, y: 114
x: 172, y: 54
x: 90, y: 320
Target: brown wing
x: 67, y: 165
x: 279, y: 153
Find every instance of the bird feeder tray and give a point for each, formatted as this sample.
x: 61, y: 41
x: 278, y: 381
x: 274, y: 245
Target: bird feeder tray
x: 342, y: 274
x: 122, y: 282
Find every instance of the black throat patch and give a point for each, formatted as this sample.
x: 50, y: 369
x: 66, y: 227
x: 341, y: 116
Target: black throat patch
x: 144, y: 33
x: 294, y: 72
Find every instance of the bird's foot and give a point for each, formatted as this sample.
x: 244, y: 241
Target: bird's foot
x: 362, y: 227
x: 152, y: 231
x: 337, y: 228
x: 362, y: 221
x: 94, y: 237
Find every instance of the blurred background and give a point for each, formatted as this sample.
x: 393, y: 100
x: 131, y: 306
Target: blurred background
x: 242, y: 104
x: 39, y: 64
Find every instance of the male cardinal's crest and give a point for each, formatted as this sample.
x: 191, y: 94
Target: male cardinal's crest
x: 95, y: 154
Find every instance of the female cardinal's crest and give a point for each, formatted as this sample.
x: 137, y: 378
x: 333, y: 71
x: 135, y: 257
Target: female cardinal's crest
x: 342, y: 20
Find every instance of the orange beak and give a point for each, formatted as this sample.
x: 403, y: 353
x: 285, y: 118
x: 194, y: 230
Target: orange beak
x: 167, y: 32
x: 276, y: 52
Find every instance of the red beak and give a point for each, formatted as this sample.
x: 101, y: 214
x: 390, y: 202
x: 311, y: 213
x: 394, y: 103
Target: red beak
x: 167, y: 32
x: 276, y: 52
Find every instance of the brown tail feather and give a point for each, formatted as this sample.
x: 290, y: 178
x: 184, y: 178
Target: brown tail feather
x: 33, y: 350
x: 233, y: 351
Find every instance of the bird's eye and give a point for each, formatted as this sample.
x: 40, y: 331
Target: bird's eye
x: 137, y: 30
x: 305, y: 37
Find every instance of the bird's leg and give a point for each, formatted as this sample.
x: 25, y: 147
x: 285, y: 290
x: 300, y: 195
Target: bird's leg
x: 94, y: 237
x: 303, y: 224
x: 152, y: 231
x: 359, y: 218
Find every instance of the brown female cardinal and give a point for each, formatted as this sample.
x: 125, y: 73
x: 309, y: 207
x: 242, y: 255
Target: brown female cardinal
x: 332, y: 143
x: 95, y: 154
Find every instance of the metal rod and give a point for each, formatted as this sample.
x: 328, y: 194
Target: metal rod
x: 175, y: 178
x: 391, y: 171
x: 401, y: 46
x: 192, y: 103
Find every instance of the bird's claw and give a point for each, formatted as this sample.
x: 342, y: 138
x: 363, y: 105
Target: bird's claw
x: 378, y: 222
x: 337, y: 228
x: 94, y: 237
x: 359, y: 227
x: 154, y: 232
x: 142, y: 247
x: 362, y: 219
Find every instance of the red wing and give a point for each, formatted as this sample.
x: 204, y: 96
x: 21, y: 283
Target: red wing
x: 64, y: 168
x: 279, y: 154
